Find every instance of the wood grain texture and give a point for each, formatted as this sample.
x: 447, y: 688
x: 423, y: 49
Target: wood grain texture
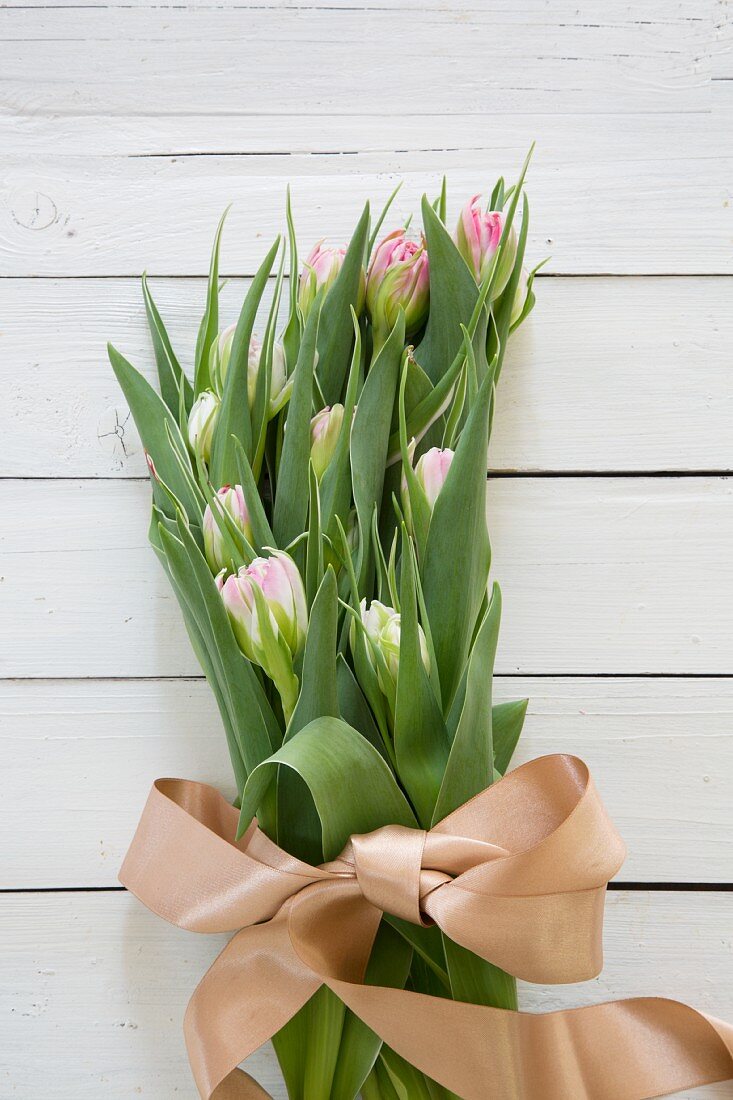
x: 660, y: 752
x: 600, y: 575
x: 95, y: 987
x: 125, y: 129
x: 187, y: 59
x: 564, y: 401
x: 82, y: 216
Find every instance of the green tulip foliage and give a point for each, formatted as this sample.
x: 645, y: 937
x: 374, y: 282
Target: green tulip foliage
x: 337, y: 595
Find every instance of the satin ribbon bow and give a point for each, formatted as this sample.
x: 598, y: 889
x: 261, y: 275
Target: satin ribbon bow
x: 517, y: 875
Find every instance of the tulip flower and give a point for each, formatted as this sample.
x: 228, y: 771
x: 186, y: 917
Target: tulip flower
x: 520, y: 297
x: 477, y: 238
x: 280, y: 385
x: 398, y: 278
x: 325, y: 431
x: 279, y: 388
x: 202, y: 423
x: 231, y: 499
x: 321, y: 269
x: 267, y: 608
x: 431, y: 470
x: 383, y: 629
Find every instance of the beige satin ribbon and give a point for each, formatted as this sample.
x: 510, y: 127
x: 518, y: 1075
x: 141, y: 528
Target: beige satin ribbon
x: 517, y: 875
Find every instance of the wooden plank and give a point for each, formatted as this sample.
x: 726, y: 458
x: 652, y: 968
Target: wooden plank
x: 95, y: 987
x: 564, y: 398
x: 189, y: 60
x: 600, y: 575
x: 660, y: 752
x: 84, y: 215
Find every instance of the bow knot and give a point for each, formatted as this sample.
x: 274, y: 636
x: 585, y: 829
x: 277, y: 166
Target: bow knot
x: 388, y: 868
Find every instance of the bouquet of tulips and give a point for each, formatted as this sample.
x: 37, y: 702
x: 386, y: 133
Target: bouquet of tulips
x: 319, y: 508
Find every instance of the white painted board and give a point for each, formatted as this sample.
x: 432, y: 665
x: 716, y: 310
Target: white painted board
x: 600, y: 575
x: 95, y: 987
x: 79, y: 758
x: 607, y: 374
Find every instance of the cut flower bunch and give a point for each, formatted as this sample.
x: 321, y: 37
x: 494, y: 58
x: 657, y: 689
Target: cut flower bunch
x: 319, y: 509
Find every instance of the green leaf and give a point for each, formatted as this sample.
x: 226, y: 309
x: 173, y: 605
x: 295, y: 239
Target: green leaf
x: 170, y: 374
x: 409, y: 1083
x: 233, y: 421
x: 151, y: 415
x: 419, y: 506
x: 293, y: 329
x: 318, y: 692
x: 314, y: 541
x: 378, y: 1085
x: 420, y: 738
x: 470, y: 767
x: 353, y: 707
x: 443, y: 201
x: 370, y: 436
x: 453, y: 295
x: 325, y: 1015
x: 477, y: 981
x: 503, y: 309
x: 336, y: 334
x: 255, y: 728
x: 261, y: 531
x: 352, y: 787
x: 458, y: 553
x: 212, y: 672
x: 507, y: 721
x: 291, y: 498
x: 260, y: 415
x: 336, y: 483
x: 209, y: 328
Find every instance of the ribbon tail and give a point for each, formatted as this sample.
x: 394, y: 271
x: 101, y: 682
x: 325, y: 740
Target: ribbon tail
x: 252, y: 989
x: 624, y: 1050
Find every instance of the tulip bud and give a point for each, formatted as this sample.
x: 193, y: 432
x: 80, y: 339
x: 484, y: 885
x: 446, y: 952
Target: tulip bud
x: 232, y: 501
x: 383, y: 628
x: 398, y: 278
x: 477, y: 238
x: 221, y: 351
x: 282, y: 586
x: 271, y: 642
x: 520, y: 297
x: 219, y: 356
x: 321, y: 269
x: 202, y: 422
x: 431, y: 471
x: 279, y: 385
x: 325, y: 431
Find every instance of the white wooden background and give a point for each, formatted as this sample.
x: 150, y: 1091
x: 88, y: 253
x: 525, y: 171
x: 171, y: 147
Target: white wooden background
x: 125, y: 128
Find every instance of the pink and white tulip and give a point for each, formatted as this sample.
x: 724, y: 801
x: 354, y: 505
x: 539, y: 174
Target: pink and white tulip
x: 202, y: 423
x: 477, y: 238
x: 325, y: 432
x: 279, y: 385
x: 279, y: 388
x: 231, y: 499
x: 321, y: 269
x: 383, y: 627
x: 278, y: 579
x: 399, y: 278
x: 520, y: 297
x: 431, y: 470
